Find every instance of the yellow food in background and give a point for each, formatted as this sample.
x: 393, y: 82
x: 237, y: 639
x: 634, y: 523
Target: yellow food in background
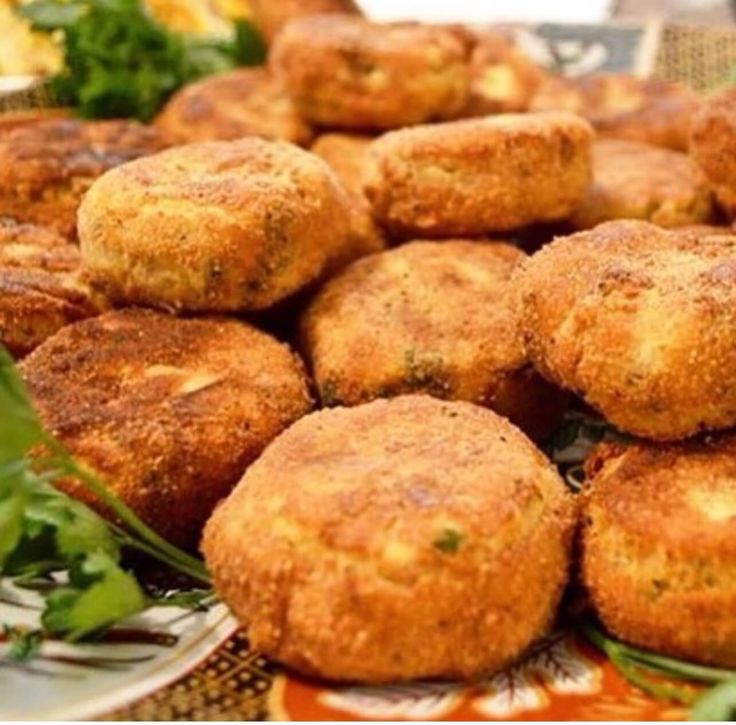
x: 207, y: 17
x: 23, y: 52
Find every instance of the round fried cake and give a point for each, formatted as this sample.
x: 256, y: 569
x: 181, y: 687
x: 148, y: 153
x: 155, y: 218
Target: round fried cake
x: 632, y: 180
x: 388, y: 542
x: 270, y: 16
x: 167, y: 411
x: 346, y: 155
x: 230, y: 105
x: 639, y: 321
x: 46, y: 167
x: 219, y: 226
x: 477, y: 176
x: 40, y: 287
x: 713, y: 145
x: 623, y: 106
x: 346, y: 72
x: 433, y: 317
x: 659, y: 546
x: 502, y: 78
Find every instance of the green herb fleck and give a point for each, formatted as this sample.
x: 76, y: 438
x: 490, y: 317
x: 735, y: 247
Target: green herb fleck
x: 24, y: 643
x: 448, y: 542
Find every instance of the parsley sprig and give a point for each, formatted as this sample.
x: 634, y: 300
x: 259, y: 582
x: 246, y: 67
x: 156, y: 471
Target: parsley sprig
x: 44, y: 532
x: 120, y: 62
x: 670, y: 679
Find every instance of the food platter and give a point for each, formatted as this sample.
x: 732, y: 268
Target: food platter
x: 371, y: 406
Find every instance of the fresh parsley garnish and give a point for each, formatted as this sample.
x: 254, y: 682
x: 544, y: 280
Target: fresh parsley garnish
x: 448, y: 542
x: 670, y: 679
x: 24, y: 643
x: 120, y: 62
x: 46, y: 535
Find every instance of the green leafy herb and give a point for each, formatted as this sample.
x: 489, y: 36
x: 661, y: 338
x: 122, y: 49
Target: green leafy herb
x: 119, y: 62
x: 44, y: 532
x: 658, y: 675
x: 448, y: 542
x: 718, y: 703
x: 24, y: 642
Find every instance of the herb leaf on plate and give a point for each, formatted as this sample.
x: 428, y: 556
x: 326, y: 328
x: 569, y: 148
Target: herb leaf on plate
x: 45, y: 534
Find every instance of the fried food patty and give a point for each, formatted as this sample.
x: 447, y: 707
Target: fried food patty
x: 432, y: 317
x: 270, y: 16
x: 346, y: 72
x: 641, y: 322
x: 659, y: 546
x: 502, y: 78
x: 388, y: 542
x: 622, y: 106
x: 40, y: 288
x: 713, y: 145
x: 10, y: 120
x: 632, y: 180
x: 481, y: 175
x: 216, y: 226
x: 226, y: 106
x: 167, y: 411
x: 346, y: 155
x: 46, y: 167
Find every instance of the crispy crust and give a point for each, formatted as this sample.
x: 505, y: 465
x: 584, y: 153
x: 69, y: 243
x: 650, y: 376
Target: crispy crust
x: 32, y: 247
x: 502, y: 78
x: 330, y: 550
x: 637, y: 181
x: 218, y: 226
x: 346, y: 154
x: 346, y: 72
x: 169, y: 412
x: 623, y: 106
x: 713, y: 146
x: 473, y: 177
x: 40, y: 291
x: 46, y: 167
x: 227, y: 106
x: 432, y: 317
x: 659, y: 547
x: 10, y: 120
x: 643, y: 328
x: 270, y: 16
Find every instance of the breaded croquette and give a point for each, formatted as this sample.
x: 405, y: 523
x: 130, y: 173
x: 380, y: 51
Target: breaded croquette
x: 659, y: 546
x: 478, y: 176
x: 432, y: 317
x: 219, y: 226
x: 167, y: 411
x: 46, y: 167
x: 270, y: 16
x: 227, y: 106
x: 623, y: 106
x: 713, y: 146
x: 632, y: 180
x: 402, y: 539
x: 642, y: 325
x: 346, y: 154
x: 346, y: 72
x: 40, y: 288
x: 502, y: 78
